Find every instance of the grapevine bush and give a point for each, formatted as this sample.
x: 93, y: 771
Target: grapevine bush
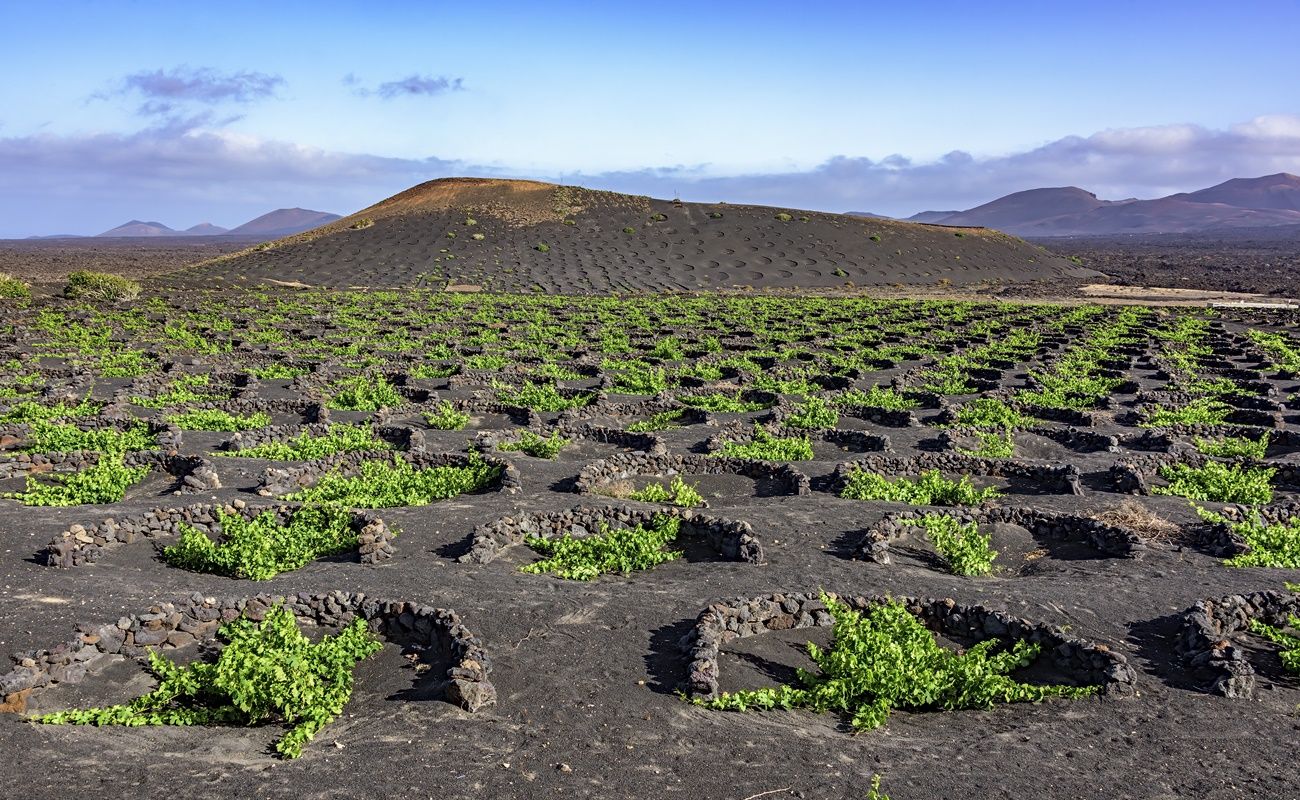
x: 445, y: 417
x: 965, y: 550
x: 384, y: 484
x: 213, y: 419
x: 1274, y: 545
x: 620, y: 550
x: 340, y: 438
x: 885, y: 658
x: 537, y: 446
x: 260, y: 548
x: 930, y: 489
x: 677, y: 493
x: 266, y: 671
x: 105, y: 482
x: 1218, y: 482
x: 363, y: 393
x: 766, y: 447
x: 1290, y: 652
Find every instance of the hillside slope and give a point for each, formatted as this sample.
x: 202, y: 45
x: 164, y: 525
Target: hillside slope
x: 525, y: 235
x: 1240, y: 204
x: 283, y: 222
x: 137, y: 228
x: 1280, y: 191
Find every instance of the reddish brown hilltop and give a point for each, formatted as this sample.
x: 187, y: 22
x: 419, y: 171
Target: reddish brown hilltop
x: 526, y: 235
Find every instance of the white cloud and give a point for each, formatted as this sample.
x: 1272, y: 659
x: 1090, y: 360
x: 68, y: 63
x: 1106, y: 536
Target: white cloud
x: 51, y: 183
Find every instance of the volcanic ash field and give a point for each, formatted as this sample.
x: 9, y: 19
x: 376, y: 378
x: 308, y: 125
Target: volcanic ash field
x: 410, y: 543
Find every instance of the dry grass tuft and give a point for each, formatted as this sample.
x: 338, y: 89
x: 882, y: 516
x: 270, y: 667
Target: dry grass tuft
x: 1138, y: 518
x: 619, y: 490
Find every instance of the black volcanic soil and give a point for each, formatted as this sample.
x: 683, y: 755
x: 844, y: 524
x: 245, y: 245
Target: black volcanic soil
x: 48, y: 261
x: 586, y: 671
x: 1263, y: 261
x: 541, y: 237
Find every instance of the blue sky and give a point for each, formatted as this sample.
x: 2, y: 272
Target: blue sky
x: 186, y: 112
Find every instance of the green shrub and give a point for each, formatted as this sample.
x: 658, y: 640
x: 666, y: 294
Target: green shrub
x: 814, y: 414
x: 783, y: 217
x: 1202, y: 411
x: 29, y: 411
x: 663, y: 421
x: 13, y: 289
x: 641, y: 380
x: 766, y: 447
x: 947, y: 380
x: 884, y: 658
x: 1218, y: 482
x: 540, y: 397
x: 383, y: 484
x: 988, y: 412
x: 1069, y: 388
x: 556, y: 372
x: 213, y: 419
x: 362, y: 393
x: 668, y: 348
x: 993, y: 444
x: 445, y: 417
x: 105, y: 482
x: 621, y: 550
x: 260, y: 548
x: 1270, y: 545
x: 427, y: 372
x: 125, y: 364
x: 537, y: 446
x: 48, y: 437
x: 1285, y: 355
x: 930, y: 489
x: 1290, y: 652
x: 272, y: 372
x: 543, y: 248
x: 87, y: 285
x: 1234, y: 446
x: 266, y: 670
x: 340, y: 438
x: 181, y: 392
x: 876, y: 397
x: 677, y: 493
x: 963, y: 547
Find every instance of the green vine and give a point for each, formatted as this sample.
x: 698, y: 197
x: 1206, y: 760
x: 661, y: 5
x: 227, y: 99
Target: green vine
x: 930, y: 489
x: 884, y: 658
x: 383, y: 484
x: 267, y: 670
x: 621, y: 550
x: 260, y: 548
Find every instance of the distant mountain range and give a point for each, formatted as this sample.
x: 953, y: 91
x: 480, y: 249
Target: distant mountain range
x: 281, y: 222
x: 1070, y: 211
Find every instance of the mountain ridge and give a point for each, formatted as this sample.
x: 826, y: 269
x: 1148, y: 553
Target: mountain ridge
x: 271, y: 225
x: 1238, y: 203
